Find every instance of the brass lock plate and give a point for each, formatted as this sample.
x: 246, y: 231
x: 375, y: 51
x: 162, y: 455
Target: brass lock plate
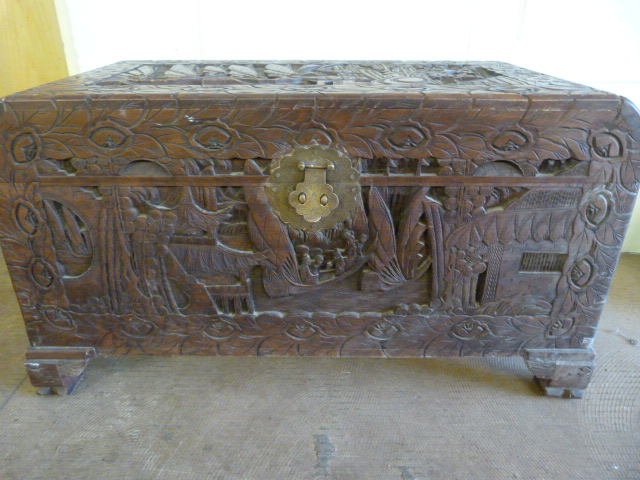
x: 313, y: 188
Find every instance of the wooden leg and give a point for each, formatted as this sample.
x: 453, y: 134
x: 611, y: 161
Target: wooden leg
x: 561, y: 372
x: 57, y: 369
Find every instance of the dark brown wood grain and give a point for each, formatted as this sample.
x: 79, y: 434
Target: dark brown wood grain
x: 137, y: 211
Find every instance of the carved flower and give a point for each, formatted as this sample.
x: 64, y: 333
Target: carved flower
x: 596, y: 207
x: 512, y: 141
x: 469, y: 328
x: 314, y: 135
x: 212, y: 138
x: 220, y: 329
x: 110, y: 138
x: 25, y: 147
x: 42, y: 273
x: 59, y: 319
x: 136, y: 327
x: 300, y: 330
x: 608, y: 145
x: 382, y: 330
x: 407, y: 138
x: 560, y: 326
x: 27, y: 218
x: 582, y: 273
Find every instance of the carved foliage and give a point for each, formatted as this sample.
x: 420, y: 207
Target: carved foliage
x: 384, y: 258
x: 407, y: 331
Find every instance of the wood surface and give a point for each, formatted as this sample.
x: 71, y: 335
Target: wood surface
x: 139, y: 213
x: 31, y: 48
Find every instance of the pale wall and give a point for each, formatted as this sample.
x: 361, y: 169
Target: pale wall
x: 31, y: 50
x: 592, y: 42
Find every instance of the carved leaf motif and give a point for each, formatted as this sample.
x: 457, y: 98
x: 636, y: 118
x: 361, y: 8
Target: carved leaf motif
x: 248, y: 146
x: 596, y: 293
x: 70, y: 113
x: 15, y: 253
x: 565, y: 300
x: 383, y: 259
x: 266, y: 229
x: 411, y: 231
x: 442, y: 147
x: 475, y: 237
x: 541, y: 229
x: 357, y: 146
x: 365, y: 137
x: 612, y: 232
x: 491, y: 230
x: 630, y: 175
x: 582, y: 244
x: 70, y: 237
x: 602, y: 173
x: 45, y: 116
x: 529, y: 325
x: 56, y: 148
x: 110, y: 111
x: 165, y: 114
x: 551, y: 147
x: 558, y: 228
x: 269, y: 233
x: 371, y: 131
x: 607, y: 257
x: 175, y: 142
x: 73, y: 229
x: 144, y: 146
x: 470, y: 146
x: 360, y: 221
x: 577, y: 146
x: 507, y: 228
x: 523, y: 227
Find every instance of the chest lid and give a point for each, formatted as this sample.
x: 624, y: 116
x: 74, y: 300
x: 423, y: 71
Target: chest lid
x: 326, y: 83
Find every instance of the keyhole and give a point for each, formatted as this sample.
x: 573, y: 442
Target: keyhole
x: 324, y: 200
x: 302, y: 198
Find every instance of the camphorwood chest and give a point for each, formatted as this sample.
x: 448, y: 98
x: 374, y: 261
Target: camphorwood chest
x: 383, y: 209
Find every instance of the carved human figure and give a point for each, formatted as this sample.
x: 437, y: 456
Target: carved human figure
x: 318, y: 260
x: 462, y: 280
x: 351, y: 250
x: 453, y: 277
x: 362, y: 239
x: 350, y: 239
x: 471, y: 273
x: 306, y: 274
x: 339, y: 262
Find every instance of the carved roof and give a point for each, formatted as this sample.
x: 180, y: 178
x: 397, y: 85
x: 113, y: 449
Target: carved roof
x: 314, y: 79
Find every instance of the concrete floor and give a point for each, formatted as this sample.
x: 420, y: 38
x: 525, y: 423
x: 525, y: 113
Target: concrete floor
x: 265, y: 418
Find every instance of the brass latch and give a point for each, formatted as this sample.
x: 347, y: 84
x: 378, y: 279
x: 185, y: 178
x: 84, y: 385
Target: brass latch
x: 313, y: 188
x: 314, y: 197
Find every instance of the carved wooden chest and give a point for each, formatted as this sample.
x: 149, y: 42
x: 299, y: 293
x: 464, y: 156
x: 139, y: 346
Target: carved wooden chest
x: 326, y: 208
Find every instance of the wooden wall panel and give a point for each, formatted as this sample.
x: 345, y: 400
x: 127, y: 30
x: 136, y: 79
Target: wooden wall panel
x: 31, y: 47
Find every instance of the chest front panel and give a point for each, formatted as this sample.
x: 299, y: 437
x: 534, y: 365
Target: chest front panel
x: 476, y: 225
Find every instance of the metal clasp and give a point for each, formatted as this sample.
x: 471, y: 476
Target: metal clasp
x: 313, y: 188
x: 314, y: 197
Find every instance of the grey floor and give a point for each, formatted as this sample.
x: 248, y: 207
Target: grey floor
x: 265, y: 418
